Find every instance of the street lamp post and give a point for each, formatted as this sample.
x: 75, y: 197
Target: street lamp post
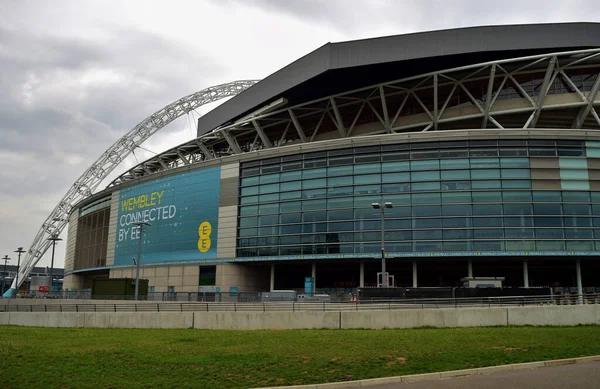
x: 6, y: 259
x: 381, y: 206
x: 54, y: 238
x: 140, y: 224
x: 20, y: 251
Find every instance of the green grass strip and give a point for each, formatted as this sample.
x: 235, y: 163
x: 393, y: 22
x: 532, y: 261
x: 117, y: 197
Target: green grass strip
x: 129, y: 358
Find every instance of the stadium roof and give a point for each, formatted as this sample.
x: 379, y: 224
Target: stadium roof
x: 336, y: 67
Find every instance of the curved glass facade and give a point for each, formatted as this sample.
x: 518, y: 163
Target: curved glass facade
x: 460, y: 196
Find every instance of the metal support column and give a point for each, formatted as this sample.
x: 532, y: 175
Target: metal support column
x: 579, y: 283
x: 313, y: 274
x: 361, y: 277
x: 470, y: 268
x: 272, y: 281
x: 414, y: 268
x: 525, y: 274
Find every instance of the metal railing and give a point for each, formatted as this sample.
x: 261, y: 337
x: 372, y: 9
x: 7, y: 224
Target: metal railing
x: 397, y: 304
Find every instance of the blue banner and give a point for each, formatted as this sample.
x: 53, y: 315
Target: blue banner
x: 182, y: 211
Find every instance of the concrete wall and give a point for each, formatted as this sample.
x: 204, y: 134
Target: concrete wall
x: 410, y: 318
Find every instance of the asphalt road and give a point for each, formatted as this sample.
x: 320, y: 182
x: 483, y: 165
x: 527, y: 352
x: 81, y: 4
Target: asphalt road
x: 579, y: 376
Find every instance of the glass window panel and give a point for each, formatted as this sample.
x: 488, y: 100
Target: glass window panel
x: 577, y: 221
x: 368, y: 179
x: 488, y: 245
x: 340, y: 191
x: 394, y: 188
x: 396, y: 235
x: 347, y: 151
x: 445, y: 154
x: 489, y: 233
x: 367, y: 168
x: 456, y: 174
x: 487, y: 209
x: 247, y: 232
x: 398, y: 199
x: 250, y: 172
x: 456, y: 222
x: 513, y: 152
x: 456, y: 197
x: 427, y: 223
x: 367, y: 225
x: 455, y: 185
x: 549, y: 233
x: 312, y: 163
x: 432, y: 164
x: 294, y: 165
x: 426, y: 210
x: 290, y: 195
x: 487, y: 184
x: 314, y: 193
x: 491, y: 152
x: 521, y: 195
x: 248, y: 221
x: 268, y: 220
x: 291, y: 176
x: 425, y: 175
x: 314, y: 173
x: 367, y: 189
x: 516, y: 173
x: 395, y: 177
x: 398, y: 212
x: 342, y: 161
x: 366, y: 236
x: 395, y: 166
x: 365, y: 213
x: 577, y: 209
x: 550, y: 245
x: 514, y: 233
x: 487, y: 197
x: 427, y: 234
x: 547, y: 209
x: 521, y: 221
x: 516, y: 184
x: 397, y: 224
x: 520, y: 245
x: 340, y: 202
x: 315, y: 183
x: 340, y: 226
x: 579, y: 233
x: 251, y: 190
x: 576, y: 197
x: 341, y: 214
x: 458, y: 163
x: 456, y: 246
x: 457, y: 210
x: 314, y: 204
x: 249, y: 181
x: 366, y: 201
x: 340, y: 181
x: 268, y: 198
x: 595, y: 197
x: 249, y: 210
x: 427, y: 198
x: 547, y: 221
x: 291, y: 229
x: 457, y: 234
x: 580, y: 245
x: 291, y: 185
x: 288, y: 218
x: 425, y: 186
x: 311, y: 217
x: 573, y: 174
x: 487, y: 222
x: 268, y: 208
x: 575, y: 185
x: 546, y: 196
x: 484, y: 174
x: 314, y: 227
x: 269, y: 178
x: 249, y: 200
x: 514, y: 162
x: 340, y: 170
x: 478, y: 163
x: 290, y: 206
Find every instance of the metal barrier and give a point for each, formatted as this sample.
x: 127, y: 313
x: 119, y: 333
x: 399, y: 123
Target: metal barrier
x: 398, y: 304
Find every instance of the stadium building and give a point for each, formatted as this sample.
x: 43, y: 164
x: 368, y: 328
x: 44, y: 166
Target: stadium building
x: 484, y: 140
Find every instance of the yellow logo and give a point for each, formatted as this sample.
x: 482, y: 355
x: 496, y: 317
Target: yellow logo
x: 204, y: 233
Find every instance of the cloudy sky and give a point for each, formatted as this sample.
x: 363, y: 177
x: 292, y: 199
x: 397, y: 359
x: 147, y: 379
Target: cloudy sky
x: 77, y: 75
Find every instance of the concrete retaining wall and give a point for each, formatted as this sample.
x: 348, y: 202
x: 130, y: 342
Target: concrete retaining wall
x: 410, y: 318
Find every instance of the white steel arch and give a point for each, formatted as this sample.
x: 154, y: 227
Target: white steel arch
x: 110, y: 159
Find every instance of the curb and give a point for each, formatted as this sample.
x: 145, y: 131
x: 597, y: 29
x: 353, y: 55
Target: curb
x: 442, y: 375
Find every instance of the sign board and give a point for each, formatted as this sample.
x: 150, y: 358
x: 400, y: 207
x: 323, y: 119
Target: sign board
x: 309, y: 286
x: 44, y: 289
x: 183, y: 213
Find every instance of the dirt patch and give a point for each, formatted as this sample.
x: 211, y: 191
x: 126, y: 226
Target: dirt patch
x: 507, y: 348
x: 397, y: 360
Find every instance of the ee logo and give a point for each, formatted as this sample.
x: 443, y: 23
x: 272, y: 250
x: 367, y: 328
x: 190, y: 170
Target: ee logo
x: 204, y: 233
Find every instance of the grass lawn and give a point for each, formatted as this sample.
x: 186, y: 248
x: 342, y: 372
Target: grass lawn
x: 125, y: 358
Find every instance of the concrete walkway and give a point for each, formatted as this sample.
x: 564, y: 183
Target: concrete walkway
x: 580, y: 373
